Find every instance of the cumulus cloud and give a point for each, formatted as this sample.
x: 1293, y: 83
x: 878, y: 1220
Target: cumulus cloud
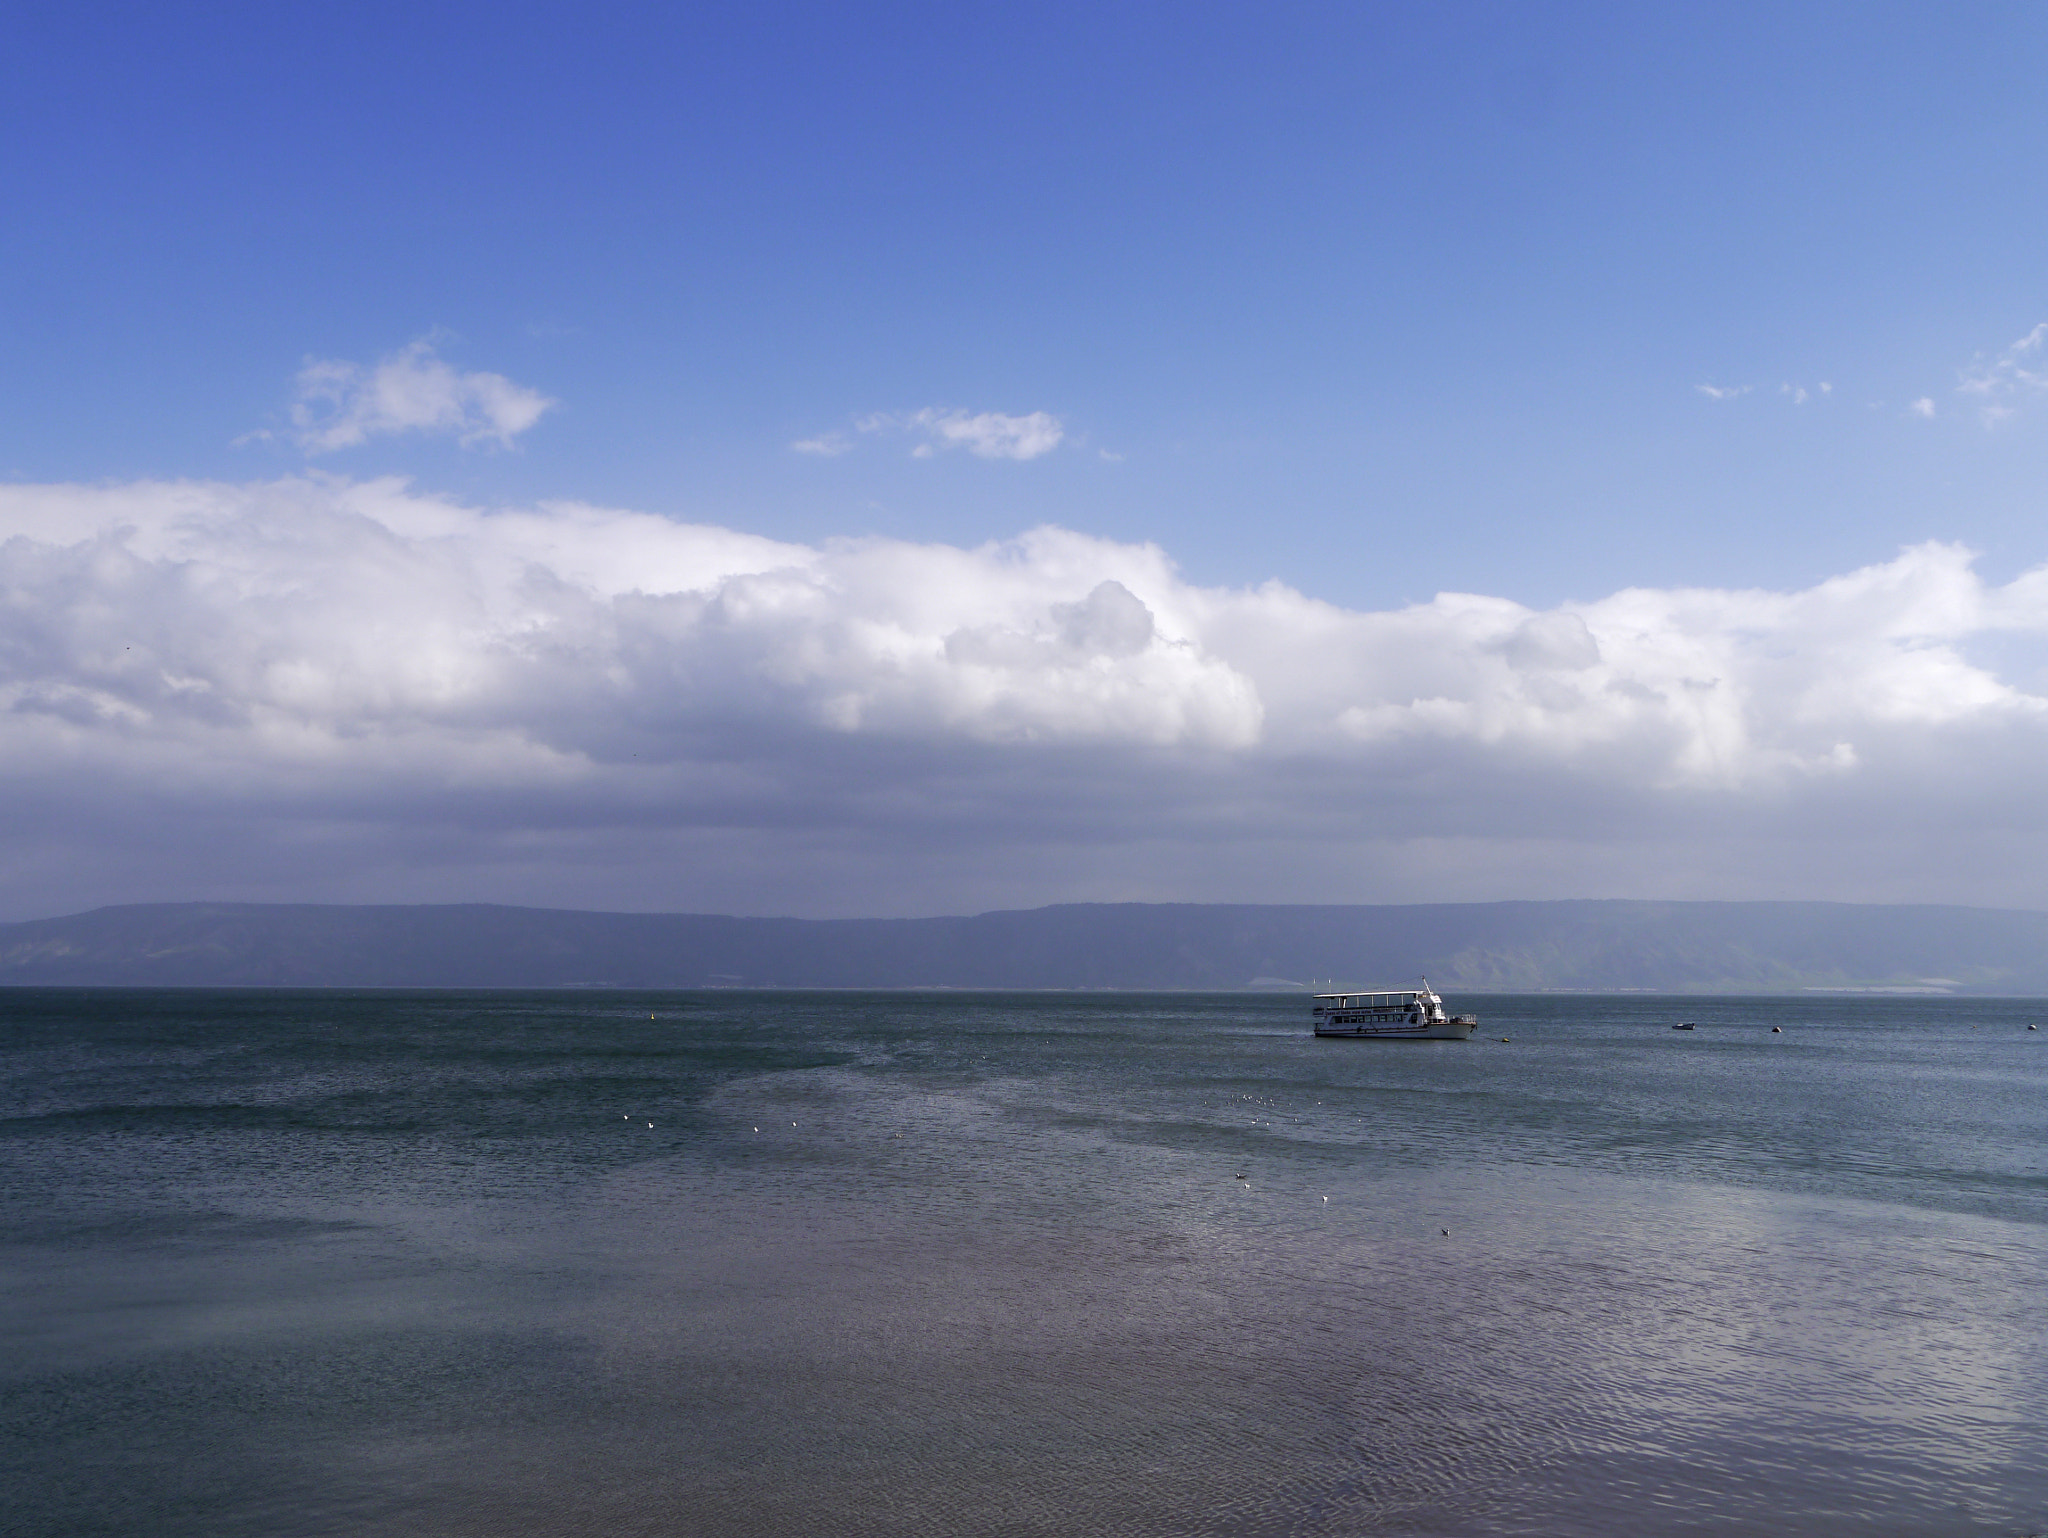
x: 339, y: 405
x: 323, y: 687
x: 984, y: 434
x: 990, y: 434
x: 1723, y: 392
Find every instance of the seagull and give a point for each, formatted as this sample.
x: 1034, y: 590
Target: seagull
x: 1445, y: 1232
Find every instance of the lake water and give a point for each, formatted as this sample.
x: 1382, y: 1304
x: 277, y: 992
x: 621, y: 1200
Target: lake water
x: 962, y: 1264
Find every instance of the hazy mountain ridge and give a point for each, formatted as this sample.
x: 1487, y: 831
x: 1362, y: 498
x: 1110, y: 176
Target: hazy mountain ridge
x: 1472, y: 947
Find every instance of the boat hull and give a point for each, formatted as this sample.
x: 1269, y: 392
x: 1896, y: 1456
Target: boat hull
x: 1435, y: 1030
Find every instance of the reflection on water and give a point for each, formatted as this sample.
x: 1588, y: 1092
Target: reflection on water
x: 901, y: 1264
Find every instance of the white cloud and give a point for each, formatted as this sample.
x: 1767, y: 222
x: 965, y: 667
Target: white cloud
x: 335, y: 686
x: 339, y: 404
x: 2014, y: 376
x: 1923, y: 407
x: 985, y: 434
x: 1797, y: 394
x: 992, y: 435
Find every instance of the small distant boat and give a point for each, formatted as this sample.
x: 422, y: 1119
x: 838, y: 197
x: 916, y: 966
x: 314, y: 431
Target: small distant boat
x: 1684, y: 1025
x: 1392, y: 1014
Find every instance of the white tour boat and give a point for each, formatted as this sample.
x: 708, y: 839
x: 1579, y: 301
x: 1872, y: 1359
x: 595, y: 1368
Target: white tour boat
x: 1400, y: 1014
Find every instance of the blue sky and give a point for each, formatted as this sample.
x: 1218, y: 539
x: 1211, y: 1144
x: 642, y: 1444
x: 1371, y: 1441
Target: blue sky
x: 1535, y: 303
x: 1378, y: 300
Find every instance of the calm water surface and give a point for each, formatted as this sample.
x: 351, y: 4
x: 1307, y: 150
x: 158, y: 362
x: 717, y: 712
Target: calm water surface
x: 300, y: 1263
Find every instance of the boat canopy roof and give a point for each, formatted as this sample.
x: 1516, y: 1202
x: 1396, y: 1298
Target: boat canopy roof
x: 1381, y: 993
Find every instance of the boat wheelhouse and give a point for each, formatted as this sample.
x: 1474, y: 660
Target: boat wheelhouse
x: 1394, y: 1014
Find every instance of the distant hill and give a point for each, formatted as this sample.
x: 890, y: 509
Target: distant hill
x: 1465, y: 947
